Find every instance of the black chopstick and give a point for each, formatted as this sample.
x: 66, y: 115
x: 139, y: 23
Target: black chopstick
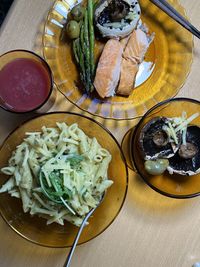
x: 169, y: 10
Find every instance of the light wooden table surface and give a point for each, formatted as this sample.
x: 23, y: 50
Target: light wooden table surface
x: 151, y: 230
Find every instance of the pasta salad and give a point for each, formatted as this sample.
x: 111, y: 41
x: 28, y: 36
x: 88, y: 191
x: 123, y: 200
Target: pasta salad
x: 59, y: 173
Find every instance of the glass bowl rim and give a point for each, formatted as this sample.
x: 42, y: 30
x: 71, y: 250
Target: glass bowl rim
x: 123, y: 159
x: 50, y: 73
x: 132, y: 139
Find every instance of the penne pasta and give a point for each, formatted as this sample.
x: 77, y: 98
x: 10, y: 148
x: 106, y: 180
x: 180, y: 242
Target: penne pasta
x: 55, y: 169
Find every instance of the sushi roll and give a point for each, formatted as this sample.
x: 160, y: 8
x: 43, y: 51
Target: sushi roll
x: 117, y: 18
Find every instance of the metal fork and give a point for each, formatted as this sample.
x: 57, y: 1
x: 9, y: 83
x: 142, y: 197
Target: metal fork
x: 169, y: 10
x: 69, y: 257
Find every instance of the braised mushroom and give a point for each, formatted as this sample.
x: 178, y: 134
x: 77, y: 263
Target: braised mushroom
x: 154, y: 142
x: 118, y: 10
x: 187, y: 151
x: 187, y: 160
x: 160, y: 138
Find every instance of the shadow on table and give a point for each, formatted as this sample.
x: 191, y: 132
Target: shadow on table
x: 145, y: 202
x: 4, y: 7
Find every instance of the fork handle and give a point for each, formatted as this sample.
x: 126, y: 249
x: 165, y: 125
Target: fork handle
x: 69, y: 257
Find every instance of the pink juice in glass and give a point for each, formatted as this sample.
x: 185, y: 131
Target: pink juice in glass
x: 25, y: 85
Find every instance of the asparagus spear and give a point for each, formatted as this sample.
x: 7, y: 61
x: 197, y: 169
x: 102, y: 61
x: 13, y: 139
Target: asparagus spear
x: 78, y: 54
x: 91, y: 36
x: 82, y: 38
x: 87, y: 52
x: 75, y: 50
x: 81, y: 58
x: 83, y: 48
x: 83, y: 73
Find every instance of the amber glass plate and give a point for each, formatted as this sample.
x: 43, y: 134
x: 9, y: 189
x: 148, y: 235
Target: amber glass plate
x: 176, y: 186
x: 160, y: 76
x: 34, y: 228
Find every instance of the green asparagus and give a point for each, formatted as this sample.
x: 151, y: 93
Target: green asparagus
x: 91, y: 36
x: 81, y: 59
x: 75, y: 50
x: 83, y: 49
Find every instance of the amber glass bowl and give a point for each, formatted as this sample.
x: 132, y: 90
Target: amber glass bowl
x: 13, y: 55
x: 160, y: 76
x: 176, y: 186
x: 34, y: 228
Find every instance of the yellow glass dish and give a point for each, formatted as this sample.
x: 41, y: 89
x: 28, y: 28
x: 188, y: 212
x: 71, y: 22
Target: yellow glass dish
x: 176, y: 186
x: 161, y: 75
x: 34, y: 228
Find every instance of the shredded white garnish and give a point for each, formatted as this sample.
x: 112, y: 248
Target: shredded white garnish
x: 186, y: 122
x: 173, y: 133
x: 179, y: 124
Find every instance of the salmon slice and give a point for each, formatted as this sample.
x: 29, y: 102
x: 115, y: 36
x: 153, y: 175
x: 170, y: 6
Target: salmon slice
x: 127, y: 77
x: 124, y: 41
x: 108, y: 69
x: 133, y: 55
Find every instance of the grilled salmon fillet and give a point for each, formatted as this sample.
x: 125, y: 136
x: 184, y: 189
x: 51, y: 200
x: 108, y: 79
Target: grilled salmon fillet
x: 108, y: 69
x: 133, y: 55
x: 124, y: 41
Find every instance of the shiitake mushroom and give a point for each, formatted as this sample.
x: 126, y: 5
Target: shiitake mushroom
x: 154, y: 141
x: 187, y: 160
x: 188, y: 151
x: 117, y: 18
x: 155, y: 145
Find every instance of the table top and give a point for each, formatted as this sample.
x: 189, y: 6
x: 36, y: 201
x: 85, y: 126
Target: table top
x: 151, y: 230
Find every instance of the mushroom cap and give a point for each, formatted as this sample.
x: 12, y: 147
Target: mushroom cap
x: 153, y: 141
x: 103, y: 15
x: 187, y: 166
x: 188, y: 151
